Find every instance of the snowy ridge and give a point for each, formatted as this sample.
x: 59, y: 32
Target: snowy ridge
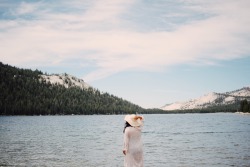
x: 211, y: 99
x: 66, y: 80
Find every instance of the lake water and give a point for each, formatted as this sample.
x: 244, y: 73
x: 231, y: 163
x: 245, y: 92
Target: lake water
x: 170, y: 140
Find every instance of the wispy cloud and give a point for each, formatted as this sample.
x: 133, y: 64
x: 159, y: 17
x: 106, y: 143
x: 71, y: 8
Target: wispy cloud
x: 25, y: 8
x: 101, y: 33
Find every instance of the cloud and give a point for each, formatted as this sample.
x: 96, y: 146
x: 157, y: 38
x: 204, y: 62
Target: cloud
x: 100, y: 34
x: 25, y: 8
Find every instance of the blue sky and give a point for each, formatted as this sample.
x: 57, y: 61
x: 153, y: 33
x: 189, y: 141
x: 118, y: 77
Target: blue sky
x: 149, y: 52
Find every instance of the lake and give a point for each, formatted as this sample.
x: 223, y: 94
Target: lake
x: 170, y: 140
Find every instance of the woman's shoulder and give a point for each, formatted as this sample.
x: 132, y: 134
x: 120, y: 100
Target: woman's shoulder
x: 128, y: 129
x: 131, y: 128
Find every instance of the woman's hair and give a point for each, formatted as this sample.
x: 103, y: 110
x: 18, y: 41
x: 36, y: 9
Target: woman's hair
x: 126, y: 125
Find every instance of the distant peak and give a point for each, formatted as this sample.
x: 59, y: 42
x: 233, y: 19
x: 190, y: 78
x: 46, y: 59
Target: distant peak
x: 66, y: 80
x: 210, y: 99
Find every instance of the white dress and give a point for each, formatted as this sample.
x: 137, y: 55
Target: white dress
x: 133, y: 146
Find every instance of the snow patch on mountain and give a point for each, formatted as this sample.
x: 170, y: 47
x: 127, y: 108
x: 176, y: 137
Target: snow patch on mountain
x: 66, y: 80
x: 210, y: 99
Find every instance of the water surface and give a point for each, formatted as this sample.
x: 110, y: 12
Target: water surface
x: 173, y: 140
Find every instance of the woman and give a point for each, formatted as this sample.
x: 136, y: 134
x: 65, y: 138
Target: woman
x: 132, y: 141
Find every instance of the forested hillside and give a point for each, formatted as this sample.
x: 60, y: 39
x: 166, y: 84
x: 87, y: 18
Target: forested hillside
x: 27, y: 92
x: 24, y: 92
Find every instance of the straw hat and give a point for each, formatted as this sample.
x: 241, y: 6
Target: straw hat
x: 134, y: 120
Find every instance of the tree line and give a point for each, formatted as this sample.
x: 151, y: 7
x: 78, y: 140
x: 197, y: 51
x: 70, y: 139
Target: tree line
x: 245, y: 106
x: 25, y: 92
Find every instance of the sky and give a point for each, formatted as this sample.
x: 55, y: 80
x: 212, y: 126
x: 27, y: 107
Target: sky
x: 149, y: 52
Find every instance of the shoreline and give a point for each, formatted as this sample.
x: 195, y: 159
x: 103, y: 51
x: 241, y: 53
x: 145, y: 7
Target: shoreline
x: 243, y: 113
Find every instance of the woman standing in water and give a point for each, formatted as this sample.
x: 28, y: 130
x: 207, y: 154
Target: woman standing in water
x: 133, y: 150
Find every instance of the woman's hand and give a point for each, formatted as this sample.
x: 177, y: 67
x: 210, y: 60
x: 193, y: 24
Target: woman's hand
x: 139, y: 117
x: 124, y: 152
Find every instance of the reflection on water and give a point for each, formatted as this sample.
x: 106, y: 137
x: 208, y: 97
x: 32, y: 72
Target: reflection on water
x: 169, y: 140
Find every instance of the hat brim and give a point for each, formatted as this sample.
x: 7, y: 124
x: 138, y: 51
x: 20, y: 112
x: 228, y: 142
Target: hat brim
x: 134, y: 120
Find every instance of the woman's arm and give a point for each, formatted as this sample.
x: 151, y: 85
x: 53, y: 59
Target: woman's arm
x: 125, y: 142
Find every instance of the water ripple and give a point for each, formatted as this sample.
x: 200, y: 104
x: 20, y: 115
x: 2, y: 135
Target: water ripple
x: 169, y: 140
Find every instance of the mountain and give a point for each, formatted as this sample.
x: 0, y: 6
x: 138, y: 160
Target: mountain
x: 29, y: 92
x: 211, y: 100
x: 66, y: 80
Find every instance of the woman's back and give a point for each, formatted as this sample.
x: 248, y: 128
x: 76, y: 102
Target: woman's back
x: 133, y: 145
